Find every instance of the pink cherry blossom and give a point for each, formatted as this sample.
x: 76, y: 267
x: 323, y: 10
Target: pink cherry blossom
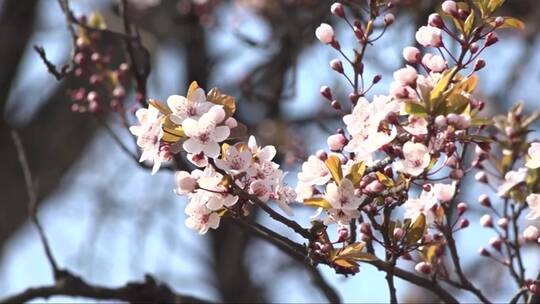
x: 429, y: 36
x: 512, y: 179
x: 342, y: 196
x: 416, y: 160
x: 201, y: 218
x: 444, y: 192
x: 234, y: 161
x: 204, y: 136
x: 534, y: 154
x: 183, y: 107
x: 423, y: 204
x: 417, y: 125
x: 314, y: 172
x: 149, y: 134
x: 184, y: 182
x: 533, y: 200
x: 531, y: 233
x: 449, y: 7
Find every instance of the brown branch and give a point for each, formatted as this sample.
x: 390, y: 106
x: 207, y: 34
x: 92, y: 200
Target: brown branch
x: 59, y: 74
x: 32, y: 202
x: 134, y: 292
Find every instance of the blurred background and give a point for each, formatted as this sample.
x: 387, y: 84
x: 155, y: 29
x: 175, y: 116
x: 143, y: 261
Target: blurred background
x: 110, y: 221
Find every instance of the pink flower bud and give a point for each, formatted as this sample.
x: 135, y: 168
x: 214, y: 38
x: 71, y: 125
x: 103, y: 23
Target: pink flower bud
x: 335, y: 104
x: 343, y: 234
x: 484, y: 200
x: 325, y: 33
x: 375, y: 187
x: 358, y: 32
x: 435, y: 20
x: 119, y: 92
x: 337, y: 10
x: 486, y: 221
x: 479, y: 64
x: 326, y: 92
x: 406, y: 76
x: 484, y: 252
x: 499, y: 21
x: 531, y: 234
x: 429, y: 36
x: 365, y: 229
x: 398, y: 234
x: 463, y: 223
x: 376, y: 78
x: 473, y: 48
x: 449, y: 7
x: 502, y: 222
x: 435, y: 63
x: 423, y: 267
x: 481, y: 177
x: 336, y: 142
x: 336, y: 65
x: 322, y: 155
x: 92, y: 96
x: 231, y: 122
x: 496, y: 243
x: 491, y: 39
x: 389, y: 19
x: 461, y: 208
x: 440, y: 121
x: 411, y: 54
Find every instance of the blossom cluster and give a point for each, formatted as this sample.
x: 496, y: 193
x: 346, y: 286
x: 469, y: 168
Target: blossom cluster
x: 199, y: 125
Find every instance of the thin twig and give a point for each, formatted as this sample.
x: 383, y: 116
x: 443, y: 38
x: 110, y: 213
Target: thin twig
x: 32, y: 203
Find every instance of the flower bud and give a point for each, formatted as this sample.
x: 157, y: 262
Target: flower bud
x: 389, y: 19
x: 398, y: 234
x: 479, y: 64
x: 322, y: 155
x: 343, y: 234
x: 231, y: 122
x: 496, y: 243
x: 481, y: 177
x: 335, y: 104
x: 461, y: 208
x: 337, y: 10
x: 336, y: 142
x: 119, y: 92
x: 423, y: 267
x: 336, y: 65
x: 365, y: 229
x: 531, y: 234
x: 435, y: 20
x: 325, y: 33
x: 491, y: 39
x: 473, y: 48
x: 486, y: 221
x: 449, y: 7
x: 411, y: 54
x: 326, y: 92
x: 484, y: 252
x: 502, y: 222
x: 456, y: 174
x: 464, y: 223
x: 440, y: 121
x: 484, y: 200
x: 376, y: 78
x: 499, y: 21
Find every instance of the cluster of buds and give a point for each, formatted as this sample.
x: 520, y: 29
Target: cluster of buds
x: 92, y: 65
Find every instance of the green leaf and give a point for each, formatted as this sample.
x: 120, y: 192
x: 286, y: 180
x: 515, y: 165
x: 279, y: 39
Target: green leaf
x: 438, y: 93
x: 483, y: 6
x: 354, y: 252
x: 333, y: 163
x: 457, y: 103
x: 478, y: 121
x: 357, y: 172
x: 385, y: 180
x: 469, y: 23
x: 416, y: 230
x: 317, y: 202
x: 493, y: 5
x: 416, y: 109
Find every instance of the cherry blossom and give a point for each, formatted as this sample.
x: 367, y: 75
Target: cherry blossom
x: 423, y: 204
x: 194, y: 106
x: 204, y: 135
x: 234, y: 160
x: 512, y: 179
x: 534, y: 154
x: 265, y: 154
x: 411, y: 54
x: 435, y: 63
x: 416, y: 160
x: 531, y: 233
x: 212, y: 192
x: 417, y: 125
x: 406, y: 76
x: 533, y: 200
x: 201, y: 218
x: 342, y: 196
x: 149, y: 134
x: 444, y: 192
x: 314, y: 172
x: 185, y: 183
